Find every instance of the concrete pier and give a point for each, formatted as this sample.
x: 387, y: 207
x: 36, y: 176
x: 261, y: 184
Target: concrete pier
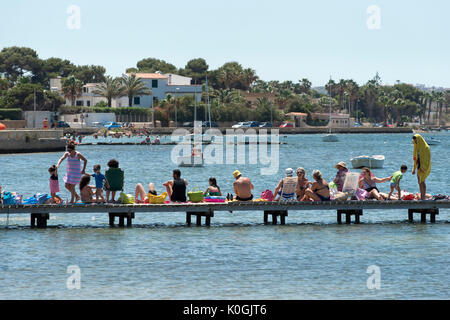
x: 24, y: 141
x: 41, y: 213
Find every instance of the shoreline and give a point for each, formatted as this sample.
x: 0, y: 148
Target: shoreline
x: 322, y: 130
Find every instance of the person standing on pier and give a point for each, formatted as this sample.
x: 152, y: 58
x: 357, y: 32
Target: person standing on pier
x: 74, y: 171
x: 422, y: 162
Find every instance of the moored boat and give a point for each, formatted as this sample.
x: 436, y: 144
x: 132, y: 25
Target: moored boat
x: 372, y: 162
x: 432, y: 141
x: 190, y: 161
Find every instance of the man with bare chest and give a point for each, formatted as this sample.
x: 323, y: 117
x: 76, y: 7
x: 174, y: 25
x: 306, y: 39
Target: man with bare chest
x: 242, y: 187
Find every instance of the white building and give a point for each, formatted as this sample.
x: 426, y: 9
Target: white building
x: 160, y: 84
x: 163, y: 85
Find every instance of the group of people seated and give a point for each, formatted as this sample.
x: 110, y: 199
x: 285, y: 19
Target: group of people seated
x: 299, y: 188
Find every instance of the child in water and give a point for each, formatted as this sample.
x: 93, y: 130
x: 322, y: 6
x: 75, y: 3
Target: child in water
x: 54, y: 185
x: 99, y: 183
x: 395, y: 181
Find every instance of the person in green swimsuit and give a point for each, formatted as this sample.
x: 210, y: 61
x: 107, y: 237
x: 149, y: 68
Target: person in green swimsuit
x: 213, y: 189
x: 395, y: 182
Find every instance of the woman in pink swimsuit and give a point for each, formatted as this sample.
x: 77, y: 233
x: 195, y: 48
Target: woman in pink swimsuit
x: 74, y: 171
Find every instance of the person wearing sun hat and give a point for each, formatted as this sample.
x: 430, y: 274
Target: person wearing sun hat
x: 242, y: 187
x: 340, y: 175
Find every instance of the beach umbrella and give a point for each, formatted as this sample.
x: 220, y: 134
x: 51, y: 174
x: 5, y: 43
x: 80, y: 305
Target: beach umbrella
x: 2, y: 126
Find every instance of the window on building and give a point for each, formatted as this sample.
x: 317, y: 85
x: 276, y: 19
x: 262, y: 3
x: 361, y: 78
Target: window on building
x: 88, y: 103
x: 154, y: 83
x: 137, y: 101
x: 79, y: 103
x: 84, y: 89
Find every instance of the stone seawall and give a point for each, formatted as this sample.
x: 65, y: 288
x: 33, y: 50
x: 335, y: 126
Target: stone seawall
x: 24, y: 141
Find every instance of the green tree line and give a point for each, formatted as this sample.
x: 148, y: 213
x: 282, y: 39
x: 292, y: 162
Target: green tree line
x: 25, y: 75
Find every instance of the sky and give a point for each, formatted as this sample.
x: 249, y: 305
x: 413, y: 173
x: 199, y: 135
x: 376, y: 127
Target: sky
x: 282, y: 40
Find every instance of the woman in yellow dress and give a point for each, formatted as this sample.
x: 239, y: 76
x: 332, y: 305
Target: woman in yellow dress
x: 422, y: 162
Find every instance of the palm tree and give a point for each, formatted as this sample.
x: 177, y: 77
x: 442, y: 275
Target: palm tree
x: 133, y: 86
x: 249, y: 77
x: 388, y: 100
x: 440, y: 101
x: 353, y: 90
x: 110, y: 89
x: 283, y: 96
x: 370, y: 91
x: 305, y: 85
x: 341, y: 90
x: 72, y: 89
x: 429, y: 99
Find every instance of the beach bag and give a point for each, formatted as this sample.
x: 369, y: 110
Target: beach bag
x: 267, y: 195
x: 333, y: 190
x: 161, y: 199
x: 196, y: 195
x: 126, y: 198
x: 408, y: 197
x: 18, y: 197
x: 9, y: 199
x: 361, y: 194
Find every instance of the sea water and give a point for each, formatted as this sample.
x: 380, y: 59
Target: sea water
x: 237, y: 257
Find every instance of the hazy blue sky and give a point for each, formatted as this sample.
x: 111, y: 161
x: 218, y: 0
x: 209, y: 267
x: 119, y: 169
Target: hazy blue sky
x: 281, y: 40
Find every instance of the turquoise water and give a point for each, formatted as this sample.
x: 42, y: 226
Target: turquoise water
x: 237, y: 257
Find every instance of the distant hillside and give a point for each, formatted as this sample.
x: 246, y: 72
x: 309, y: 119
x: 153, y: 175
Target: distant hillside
x: 321, y: 90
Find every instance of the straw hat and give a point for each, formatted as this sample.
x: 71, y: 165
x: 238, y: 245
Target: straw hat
x: 236, y: 174
x: 342, y: 164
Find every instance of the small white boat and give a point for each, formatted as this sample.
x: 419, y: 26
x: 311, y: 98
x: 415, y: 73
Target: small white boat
x: 330, y: 138
x: 372, y: 162
x: 433, y: 142
x: 190, y: 161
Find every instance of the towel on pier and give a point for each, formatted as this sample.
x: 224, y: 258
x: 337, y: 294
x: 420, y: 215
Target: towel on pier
x: 422, y: 158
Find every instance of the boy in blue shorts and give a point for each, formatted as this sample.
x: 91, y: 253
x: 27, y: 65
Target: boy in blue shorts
x: 99, y: 181
x: 395, y: 181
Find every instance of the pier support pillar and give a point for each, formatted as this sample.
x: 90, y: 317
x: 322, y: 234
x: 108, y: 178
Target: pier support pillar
x: 122, y: 216
x: 423, y: 214
x: 198, y: 216
x: 39, y: 219
x: 275, y: 215
x: 348, y: 216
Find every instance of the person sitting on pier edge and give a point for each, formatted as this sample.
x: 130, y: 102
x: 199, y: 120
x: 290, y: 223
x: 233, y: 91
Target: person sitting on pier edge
x: 319, y: 191
x: 242, y: 187
x: 369, y: 183
x: 395, y: 182
x: 302, y: 183
x: 287, y: 187
x: 114, y: 180
x: 140, y: 196
x: 87, y: 195
x: 213, y: 189
x: 176, y: 188
x: 340, y: 175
